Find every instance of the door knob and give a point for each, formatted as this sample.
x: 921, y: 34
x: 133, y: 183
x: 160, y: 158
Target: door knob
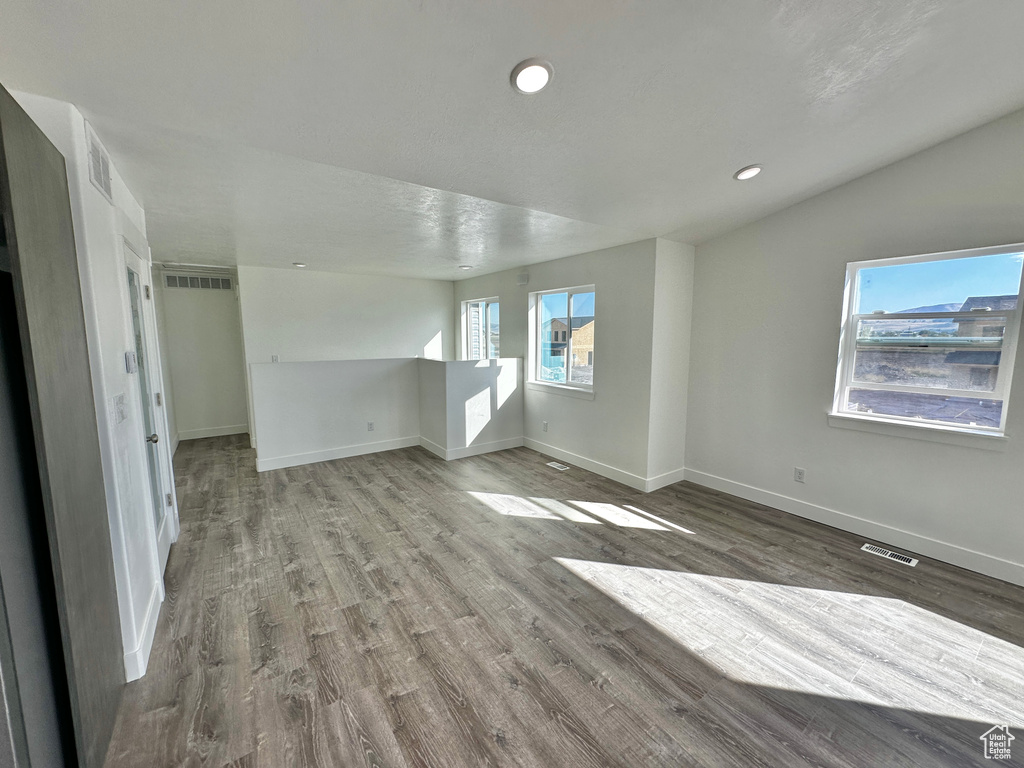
x: 154, y: 438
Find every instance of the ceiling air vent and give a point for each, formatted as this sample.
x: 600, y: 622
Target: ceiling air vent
x: 99, y: 164
x: 556, y: 465
x: 889, y: 554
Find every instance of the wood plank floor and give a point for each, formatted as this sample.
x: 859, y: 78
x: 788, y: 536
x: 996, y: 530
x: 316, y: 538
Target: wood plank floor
x: 399, y: 610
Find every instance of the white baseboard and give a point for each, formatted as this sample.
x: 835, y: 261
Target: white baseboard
x: 175, y: 441
x: 476, y: 450
x: 136, y: 661
x: 197, y: 434
x: 605, y: 470
x: 298, y: 459
x: 898, y: 538
x: 449, y: 454
x: 660, y: 481
x: 434, y: 448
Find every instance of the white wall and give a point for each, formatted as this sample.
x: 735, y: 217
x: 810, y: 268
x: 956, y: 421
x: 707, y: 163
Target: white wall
x: 126, y: 475
x: 670, y: 363
x: 301, y: 315
x: 767, y: 312
x: 608, y: 434
x: 433, y: 390
x: 468, y: 407
x: 203, y: 346
x: 308, y: 412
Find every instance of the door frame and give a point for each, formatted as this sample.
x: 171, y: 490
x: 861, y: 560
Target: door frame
x: 133, y: 246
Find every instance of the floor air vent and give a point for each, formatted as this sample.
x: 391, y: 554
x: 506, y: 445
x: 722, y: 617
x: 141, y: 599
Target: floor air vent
x: 556, y: 465
x: 889, y: 554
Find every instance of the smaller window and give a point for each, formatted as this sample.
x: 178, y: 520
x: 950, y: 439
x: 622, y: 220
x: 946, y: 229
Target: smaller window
x: 481, y: 330
x: 564, y: 333
x: 931, y: 339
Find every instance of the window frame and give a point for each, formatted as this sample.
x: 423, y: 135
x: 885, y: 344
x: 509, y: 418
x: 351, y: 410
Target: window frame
x: 848, y: 347
x: 536, y: 342
x: 486, y: 325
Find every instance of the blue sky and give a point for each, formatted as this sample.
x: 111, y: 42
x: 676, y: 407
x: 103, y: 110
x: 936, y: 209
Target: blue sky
x: 904, y: 286
x: 555, y: 305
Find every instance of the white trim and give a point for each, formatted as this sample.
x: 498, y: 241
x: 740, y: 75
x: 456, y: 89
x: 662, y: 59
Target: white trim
x: 964, y: 253
x: 434, y: 448
x: 645, y: 484
x: 848, y: 341
x: 298, y: 459
x: 668, y: 478
x: 196, y: 434
x: 940, y: 550
x: 451, y: 454
x: 476, y: 450
x: 534, y: 342
x: 136, y: 661
x: 464, y: 321
x: 605, y: 470
x: 935, y: 433
x: 560, y: 389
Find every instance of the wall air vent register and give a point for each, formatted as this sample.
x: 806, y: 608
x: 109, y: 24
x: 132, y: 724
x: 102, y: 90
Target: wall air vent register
x: 194, y: 281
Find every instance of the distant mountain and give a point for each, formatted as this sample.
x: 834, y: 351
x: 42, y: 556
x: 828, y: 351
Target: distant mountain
x: 933, y: 308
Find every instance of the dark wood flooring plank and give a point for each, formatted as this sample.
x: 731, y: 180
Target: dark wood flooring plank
x: 399, y: 610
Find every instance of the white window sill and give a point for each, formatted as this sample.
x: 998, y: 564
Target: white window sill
x: 965, y: 436
x: 560, y: 389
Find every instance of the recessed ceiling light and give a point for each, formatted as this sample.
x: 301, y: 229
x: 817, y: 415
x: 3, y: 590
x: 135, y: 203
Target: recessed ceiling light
x: 465, y: 266
x: 747, y: 173
x: 531, y: 75
x: 298, y: 264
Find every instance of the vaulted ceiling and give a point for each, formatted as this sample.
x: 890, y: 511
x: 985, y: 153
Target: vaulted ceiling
x: 384, y: 137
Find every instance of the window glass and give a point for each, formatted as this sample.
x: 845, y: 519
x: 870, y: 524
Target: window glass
x: 493, y: 330
x: 935, y: 353
x: 482, y: 332
x: 554, y: 313
x: 940, y: 286
x: 932, y: 339
x: 582, y: 340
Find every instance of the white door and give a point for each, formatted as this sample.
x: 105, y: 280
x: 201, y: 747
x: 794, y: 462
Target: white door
x: 150, y: 393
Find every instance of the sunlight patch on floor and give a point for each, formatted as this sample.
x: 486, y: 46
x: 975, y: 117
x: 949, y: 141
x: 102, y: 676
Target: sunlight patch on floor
x: 617, y: 515
x: 513, y: 506
x: 552, y: 509
x: 865, y: 648
x: 658, y: 519
x: 563, y: 509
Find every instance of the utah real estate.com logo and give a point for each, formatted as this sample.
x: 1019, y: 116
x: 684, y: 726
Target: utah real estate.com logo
x: 997, y: 742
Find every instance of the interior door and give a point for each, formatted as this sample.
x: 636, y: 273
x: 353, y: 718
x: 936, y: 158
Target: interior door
x: 36, y: 209
x: 148, y: 378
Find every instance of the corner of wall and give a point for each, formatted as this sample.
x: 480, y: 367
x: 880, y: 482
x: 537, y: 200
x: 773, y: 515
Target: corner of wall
x: 670, y: 361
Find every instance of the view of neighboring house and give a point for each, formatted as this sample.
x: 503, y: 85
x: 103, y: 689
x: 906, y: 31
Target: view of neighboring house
x: 918, y: 353
x: 557, y: 342
x: 976, y: 369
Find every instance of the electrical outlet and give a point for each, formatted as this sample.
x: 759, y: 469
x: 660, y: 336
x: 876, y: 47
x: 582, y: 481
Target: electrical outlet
x: 275, y: 359
x: 544, y: 426
x: 798, y: 474
x: 369, y: 426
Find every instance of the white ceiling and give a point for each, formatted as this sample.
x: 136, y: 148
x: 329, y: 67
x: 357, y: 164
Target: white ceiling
x: 384, y: 136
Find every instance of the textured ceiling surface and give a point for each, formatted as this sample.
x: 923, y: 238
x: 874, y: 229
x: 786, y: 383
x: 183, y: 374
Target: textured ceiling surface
x: 384, y: 136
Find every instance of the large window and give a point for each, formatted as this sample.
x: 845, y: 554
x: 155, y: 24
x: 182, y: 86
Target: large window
x: 481, y: 334
x: 931, y: 339
x: 564, y: 348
